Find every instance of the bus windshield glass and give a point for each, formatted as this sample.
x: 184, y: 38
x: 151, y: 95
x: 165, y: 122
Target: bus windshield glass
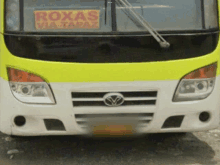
x: 118, y: 15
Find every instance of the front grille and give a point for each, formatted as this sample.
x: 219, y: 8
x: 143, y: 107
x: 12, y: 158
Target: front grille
x: 142, y: 119
x: 142, y: 98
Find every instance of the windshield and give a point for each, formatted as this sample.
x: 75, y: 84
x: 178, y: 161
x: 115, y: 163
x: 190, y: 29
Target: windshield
x: 96, y: 15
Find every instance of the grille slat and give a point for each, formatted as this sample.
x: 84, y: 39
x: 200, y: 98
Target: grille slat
x: 143, y: 119
x: 88, y: 94
x: 143, y: 125
x: 140, y: 94
x: 126, y: 103
x: 125, y: 94
x: 146, y: 118
x: 139, y: 98
x: 141, y: 115
x: 126, y: 99
x: 87, y: 99
x: 136, y: 98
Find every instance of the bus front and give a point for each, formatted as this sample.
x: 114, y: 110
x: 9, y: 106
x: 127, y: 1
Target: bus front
x: 73, y: 67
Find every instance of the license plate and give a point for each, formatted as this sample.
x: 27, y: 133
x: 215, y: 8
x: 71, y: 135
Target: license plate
x: 113, y: 130
x: 67, y: 19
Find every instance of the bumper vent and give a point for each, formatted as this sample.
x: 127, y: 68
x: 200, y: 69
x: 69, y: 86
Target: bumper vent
x: 173, y: 122
x: 54, y: 125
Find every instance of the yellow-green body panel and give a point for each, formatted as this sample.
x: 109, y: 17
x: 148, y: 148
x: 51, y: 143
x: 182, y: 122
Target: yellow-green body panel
x: 106, y: 72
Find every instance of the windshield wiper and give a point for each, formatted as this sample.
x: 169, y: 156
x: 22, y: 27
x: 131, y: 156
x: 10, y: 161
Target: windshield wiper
x: 128, y: 9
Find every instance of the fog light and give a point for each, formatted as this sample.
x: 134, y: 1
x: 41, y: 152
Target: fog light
x: 204, y: 116
x: 19, y: 121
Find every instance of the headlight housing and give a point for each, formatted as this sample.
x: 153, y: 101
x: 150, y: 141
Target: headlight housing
x: 29, y: 88
x: 12, y: 19
x: 196, y: 85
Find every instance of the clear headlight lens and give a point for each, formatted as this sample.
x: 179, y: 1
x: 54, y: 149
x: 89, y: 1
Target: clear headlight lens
x: 189, y: 90
x: 32, y: 93
x: 196, y: 85
x: 12, y: 15
x: 29, y: 88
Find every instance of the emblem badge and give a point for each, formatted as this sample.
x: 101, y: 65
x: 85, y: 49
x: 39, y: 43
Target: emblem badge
x: 113, y: 99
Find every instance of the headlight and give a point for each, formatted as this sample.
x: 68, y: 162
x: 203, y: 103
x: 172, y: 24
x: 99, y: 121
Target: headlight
x: 29, y: 88
x: 12, y: 15
x: 196, y: 85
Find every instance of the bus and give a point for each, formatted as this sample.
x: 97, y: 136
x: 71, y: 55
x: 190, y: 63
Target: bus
x: 115, y: 67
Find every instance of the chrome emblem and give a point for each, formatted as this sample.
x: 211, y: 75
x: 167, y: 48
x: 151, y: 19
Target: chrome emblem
x: 113, y: 99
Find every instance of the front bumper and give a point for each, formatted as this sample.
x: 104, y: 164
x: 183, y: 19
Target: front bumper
x: 65, y: 111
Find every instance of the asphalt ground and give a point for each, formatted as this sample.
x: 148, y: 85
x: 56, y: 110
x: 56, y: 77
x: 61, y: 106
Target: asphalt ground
x: 156, y: 149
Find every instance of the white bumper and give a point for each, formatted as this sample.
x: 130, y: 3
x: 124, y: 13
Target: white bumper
x: 65, y: 112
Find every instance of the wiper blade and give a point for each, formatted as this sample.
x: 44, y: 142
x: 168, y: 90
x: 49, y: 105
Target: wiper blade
x: 139, y: 19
